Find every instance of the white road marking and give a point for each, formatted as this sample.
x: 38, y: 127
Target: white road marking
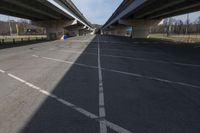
x: 131, y: 51
x: 127, y: 73
x: 35, y: 56
x: 111, y: 42
x: 2, y: 71
x: 69, y: 62
x: 184, y: 64
x: 154, y: 78
x: 73, y: 51
x: 72, y: 106
x: 119, y: 42
x: 102, y: 112
x: 138, y: 59
x: 149, y: 60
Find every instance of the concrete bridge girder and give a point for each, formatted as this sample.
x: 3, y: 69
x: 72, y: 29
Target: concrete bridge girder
x: 54, y: 15
x: 84, y: 31
x: 70, y: 23
x: 55, y: 29
x: 78, y: 30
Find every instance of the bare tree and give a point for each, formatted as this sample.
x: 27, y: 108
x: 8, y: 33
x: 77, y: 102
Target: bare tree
x: 197, y: 22
x: 187, y: 24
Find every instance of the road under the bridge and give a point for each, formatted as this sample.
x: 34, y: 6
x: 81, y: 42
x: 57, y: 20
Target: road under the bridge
x: 101, y: 84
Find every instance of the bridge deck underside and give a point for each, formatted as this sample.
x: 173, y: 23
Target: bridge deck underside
x: 163, y: 9
x: 32, y: 9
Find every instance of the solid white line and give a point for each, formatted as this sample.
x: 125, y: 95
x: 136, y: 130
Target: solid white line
x: 127, y: 73
x: 153, y: 78
x: 35, y: 56
x: 131, y: 51
x: 184, y: 64
x: 13, y: 76
x: 149, y: 60
x: 69, y: 62
x: 72, y: 106
x: 102, y: 112
x: 137, y: 59
x: 73, y: 51
x: 119, y: 130
x: 2, y: 71
x: 115, y: 42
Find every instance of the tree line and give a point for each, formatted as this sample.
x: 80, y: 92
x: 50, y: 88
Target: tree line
x: 174, y: 26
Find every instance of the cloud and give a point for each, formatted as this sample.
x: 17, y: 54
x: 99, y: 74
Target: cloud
x: 97, y: 11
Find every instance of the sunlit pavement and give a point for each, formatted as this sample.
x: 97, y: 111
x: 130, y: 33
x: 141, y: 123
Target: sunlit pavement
x: 99, y: 84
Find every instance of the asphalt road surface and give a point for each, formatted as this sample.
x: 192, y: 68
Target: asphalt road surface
x: 100, y: 84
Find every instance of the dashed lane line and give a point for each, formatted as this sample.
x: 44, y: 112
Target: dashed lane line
x: 102, y: 112
x: 88, y: 114
x: 125, y: 73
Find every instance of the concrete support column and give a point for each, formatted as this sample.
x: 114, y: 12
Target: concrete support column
x: 140, y: 31
x: 54, y: 29
x: 117, y: 30
x: 55, y: 32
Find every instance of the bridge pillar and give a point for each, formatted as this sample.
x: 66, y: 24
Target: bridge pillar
x: 55, y: 32
x: 140, y: 31
x: 54, y: 29
x: 140, y: 28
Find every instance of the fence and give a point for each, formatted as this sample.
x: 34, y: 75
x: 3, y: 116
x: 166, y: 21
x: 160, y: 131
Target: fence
x: 19, y: 40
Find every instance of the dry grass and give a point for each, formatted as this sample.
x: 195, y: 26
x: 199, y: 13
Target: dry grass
x: 178, y: 38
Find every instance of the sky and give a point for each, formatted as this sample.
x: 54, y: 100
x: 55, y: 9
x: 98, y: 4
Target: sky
x: 99, y: 11
x: 192, y: 16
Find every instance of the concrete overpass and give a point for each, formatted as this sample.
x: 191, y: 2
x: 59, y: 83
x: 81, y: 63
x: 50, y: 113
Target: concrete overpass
x: 142, y: 14
x: 54, y: 15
